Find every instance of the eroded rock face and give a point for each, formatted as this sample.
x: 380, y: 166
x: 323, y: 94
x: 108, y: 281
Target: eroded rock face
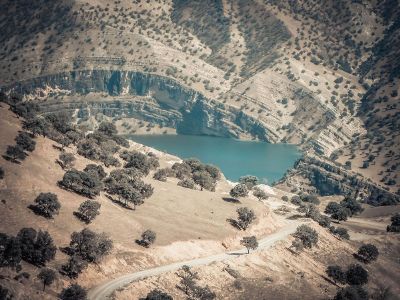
x: 148, y: 97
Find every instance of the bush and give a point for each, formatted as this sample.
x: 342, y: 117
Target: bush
x: 285, y: 198
x: 46, y: 205
x: 187, y: 183
x: 67, y: 160
x: 138, y: 161
x: 324, y: 221
x: 336, y: 273
x: 73, y: 292
x: 182, y: 170
x: 356, y: 275
x: 148, y: 238
x: 47, y: 276
x: 296, y: 200
x: 157, y: 295
x: 25, y: 141
x: 37, y: 248
x: 1, y: 173
x: 249, y: 181
x: 341, y: 214
x: 368, y: 253
x: 82, y: 183
x: 259, y: 194
x: 5, y: 294
x: 307, y: 235
x: 395, y: 226
x: 107, y: 128
x: 90, y: 246
x: 88, y: 211
x: 341, y: 232
x: 239, y: 190
x: 351, y: 293
x: 204, y: 179
x: 163, y: 174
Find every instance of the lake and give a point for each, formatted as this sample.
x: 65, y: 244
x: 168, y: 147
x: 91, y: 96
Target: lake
x: 235, y: 158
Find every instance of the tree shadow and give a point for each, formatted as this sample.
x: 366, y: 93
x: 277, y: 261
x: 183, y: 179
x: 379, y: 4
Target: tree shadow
x: 234, y: 223
x: 231, y: 200
x: 360, y: 258
x: 142, y: 243
x: 119, y: 202
x: 6, y: 157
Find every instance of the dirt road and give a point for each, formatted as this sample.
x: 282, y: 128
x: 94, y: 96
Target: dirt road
x: 103, y: 291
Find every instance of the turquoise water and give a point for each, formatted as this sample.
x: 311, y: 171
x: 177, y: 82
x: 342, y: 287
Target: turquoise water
x: 235, y: 158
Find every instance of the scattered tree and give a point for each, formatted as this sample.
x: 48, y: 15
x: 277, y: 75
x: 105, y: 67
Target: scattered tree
x: 82, y: 183
x: 245, y: 217
x: 25, y: 141
x: 239, y: 190
x: 352, y: 205
x: 250, y: 242
x: 10, y: 251
x: 107, y: 128
x: 47, y: 276
x: 88, y: 210
x: 307, y: 235
x: 249, y: 181
x: 332, y: 208
x: 336, y: 273
x: 351, y: 293
x: 1, y: 173
x: 73, y: 267
x: 341, y: 214
x: 259, y: 194
x: 341, y: 232
x: 187, y: 183
x: 356, y: 275
x: 395, y: 226
x: 73, y: 292
x: 157, y: 295
x: 16, y: 153
x: 368, y: 253
x: 46, y: 205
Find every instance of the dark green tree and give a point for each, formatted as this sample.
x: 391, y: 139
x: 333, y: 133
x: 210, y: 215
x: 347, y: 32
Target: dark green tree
x: 336, y: 273
x: 47, y: 276
x: 46, y: 205
x: 239, y: 190
x: 73, y: 292
x: 250, y: 242
x: 356, y: 275
x: 368, y: 253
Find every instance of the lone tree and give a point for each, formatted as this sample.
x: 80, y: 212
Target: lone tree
x: 239, y: 190
x: 250, y: 242
x: 356, y: 275
x: 157, y: 295
x: 307, y: 235
x: 245, y: 217
x: 88, y: 211
x: 368, y: 253
x: 336, y: 273
x: 47, y: 205
x: 73, y: 292
x: 25, y: 141
x: 16, y: 153
x: 148, y: 238
x: 66, y: 160
x: 47, y: 276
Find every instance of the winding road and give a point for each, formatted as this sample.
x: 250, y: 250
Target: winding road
x: 102, y: 291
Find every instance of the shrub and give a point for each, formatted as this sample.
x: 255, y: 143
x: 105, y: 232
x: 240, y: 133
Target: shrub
x: 395, y: 226
x: 182, y: 170
x: 67, y: 160
x: 310, y: 199
x: 88, y: 211
x: 47, y: 276
x: 25, y: 141
x: 249, y: 181
x: 90, y: 246
x: 46, y: 205
x: 296, y: 200
x: 163, y: 174
x: 324, y: 221
x: 73, y: 292
x: 341, y: 232
x: 37, y: 248
x: 336, y: 273
x: 82, y: 183
x: 259, y: 194
x: 368, y: 252
x: 356, y: 275
x: 5, y: 294
x: 1, y: 173
x: 307, y: 235
x: 107, y: 128
x: 187, y: 183
x: 239, y: 190
x: 148, y: 238
x: 285, y: 198
x: 341, y: 214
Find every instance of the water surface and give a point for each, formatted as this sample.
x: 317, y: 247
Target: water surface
x: 235, y: 158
